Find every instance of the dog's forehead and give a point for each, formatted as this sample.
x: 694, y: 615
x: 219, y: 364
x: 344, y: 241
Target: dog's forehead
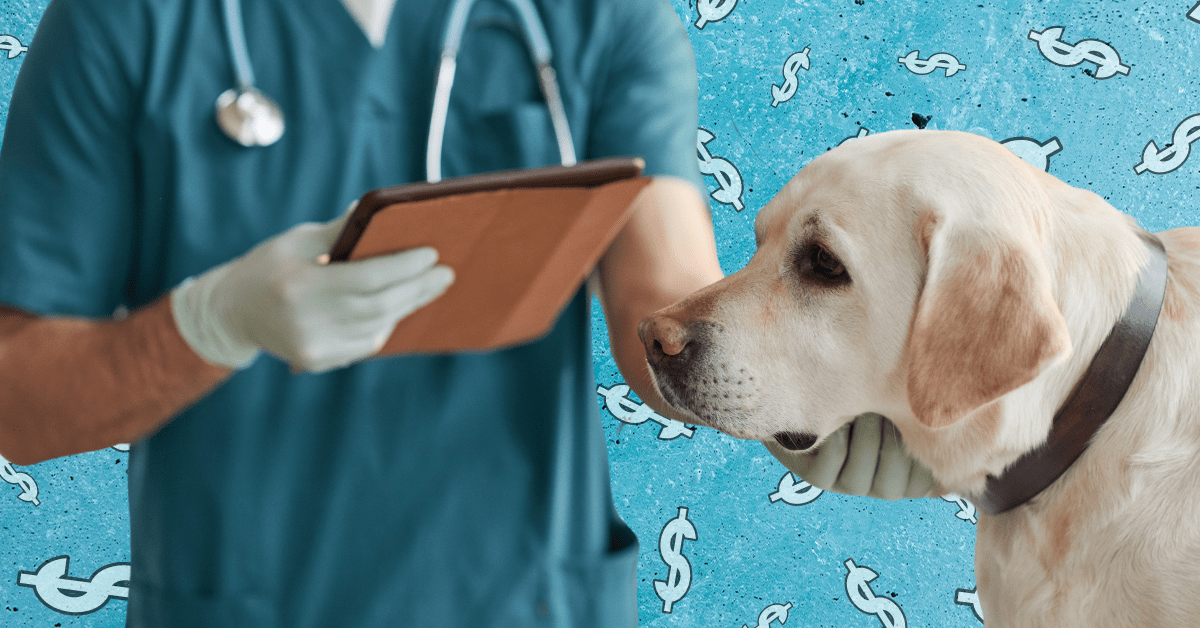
x: 829, y: 194
x: 881, y: 178
x: 788, y: 222
x: 772, y: 220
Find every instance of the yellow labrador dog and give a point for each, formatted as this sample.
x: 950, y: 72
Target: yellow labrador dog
x: 937, y: 279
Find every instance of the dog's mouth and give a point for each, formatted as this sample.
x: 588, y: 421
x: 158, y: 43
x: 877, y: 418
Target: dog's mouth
x: 795, y: 441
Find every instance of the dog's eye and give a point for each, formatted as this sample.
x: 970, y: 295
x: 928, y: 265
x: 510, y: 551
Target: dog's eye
x: 825, y: 265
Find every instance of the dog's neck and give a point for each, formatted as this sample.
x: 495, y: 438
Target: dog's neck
x: 1096, y: 395
x: 1096, y: 262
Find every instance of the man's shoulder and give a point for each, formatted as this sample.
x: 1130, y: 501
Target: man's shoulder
x: 125, y: 17
x: 86, y: 18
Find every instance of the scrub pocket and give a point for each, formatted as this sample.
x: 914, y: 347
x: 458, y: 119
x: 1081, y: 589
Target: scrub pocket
x: 603, y: 591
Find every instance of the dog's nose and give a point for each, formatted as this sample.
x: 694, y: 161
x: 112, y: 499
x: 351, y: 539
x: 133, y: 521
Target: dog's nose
x: 663, y: 336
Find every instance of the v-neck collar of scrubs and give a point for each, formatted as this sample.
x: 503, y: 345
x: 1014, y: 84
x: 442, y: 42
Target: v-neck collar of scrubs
x: 373, y: 17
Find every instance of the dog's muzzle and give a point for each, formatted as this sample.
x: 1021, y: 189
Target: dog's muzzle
x: 694, y: 373
x: 675, y: 352
x: 669, y: 343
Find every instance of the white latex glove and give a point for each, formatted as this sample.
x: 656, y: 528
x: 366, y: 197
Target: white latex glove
x: 282, y: 297
x: 864, y: 457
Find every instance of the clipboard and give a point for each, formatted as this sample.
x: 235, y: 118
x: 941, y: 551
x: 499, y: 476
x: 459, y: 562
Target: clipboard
x: 521, y: 242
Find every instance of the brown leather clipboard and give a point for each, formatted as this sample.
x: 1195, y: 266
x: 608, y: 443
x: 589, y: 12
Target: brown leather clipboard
x: 520, y: 242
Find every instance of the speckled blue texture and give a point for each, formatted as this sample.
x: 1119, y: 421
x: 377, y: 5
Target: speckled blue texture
x: 18, y: 21
x: 767, y: 552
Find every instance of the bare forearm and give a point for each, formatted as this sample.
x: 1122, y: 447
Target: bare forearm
x: 70, y: 385
x: 666, y: 252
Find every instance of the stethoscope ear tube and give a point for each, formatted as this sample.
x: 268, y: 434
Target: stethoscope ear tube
x: 539, y: 47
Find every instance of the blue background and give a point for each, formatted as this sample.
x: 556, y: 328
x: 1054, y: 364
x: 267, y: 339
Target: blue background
x: 754, y: 557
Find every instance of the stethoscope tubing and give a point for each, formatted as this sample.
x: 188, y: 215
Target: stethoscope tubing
x: 246, y: 115
x: 236, y: 40
x: 539, y: 46
x: 536, y: 39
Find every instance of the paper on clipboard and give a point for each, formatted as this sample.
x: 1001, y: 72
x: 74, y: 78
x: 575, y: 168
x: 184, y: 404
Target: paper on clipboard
x: 519, y: 253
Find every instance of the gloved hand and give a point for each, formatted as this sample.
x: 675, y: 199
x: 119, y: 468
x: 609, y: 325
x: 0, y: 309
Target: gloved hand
x: 281, y: 298
x: 864, y: 457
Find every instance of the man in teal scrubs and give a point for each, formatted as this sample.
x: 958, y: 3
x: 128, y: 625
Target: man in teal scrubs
x: 445, y: 490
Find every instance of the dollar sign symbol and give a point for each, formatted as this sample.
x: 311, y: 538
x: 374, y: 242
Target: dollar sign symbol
x: 966, y: 510
x: 725, y: 173
x: 968, y: 597
x: 793, y: 492
x: 774, y: 612
x: 75, y: 596
x: 857, y: 587
x: 670, y: 547
x: 943, y: 60
x: 713, y: 11
x: 1107, y: 60
x: 1174, y: 154
x: 784, y: 93
x: 672, y: 429
x: 628, y: 411
x: 29, y: 488
x: 1033, y: 152
x: 12, y: 45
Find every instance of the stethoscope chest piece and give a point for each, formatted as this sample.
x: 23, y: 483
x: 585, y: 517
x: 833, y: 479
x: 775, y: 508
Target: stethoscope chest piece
x: 249, y: 117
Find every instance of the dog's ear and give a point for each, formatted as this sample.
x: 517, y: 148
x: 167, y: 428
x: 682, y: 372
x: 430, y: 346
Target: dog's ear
x: 985, y: 322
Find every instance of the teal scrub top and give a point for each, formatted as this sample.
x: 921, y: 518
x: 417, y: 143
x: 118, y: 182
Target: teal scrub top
x: 443, y: 490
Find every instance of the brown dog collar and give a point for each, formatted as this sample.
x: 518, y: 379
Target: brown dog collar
x: 1095, y: 397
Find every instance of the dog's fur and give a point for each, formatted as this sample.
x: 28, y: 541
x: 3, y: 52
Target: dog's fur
x: 976, y: 290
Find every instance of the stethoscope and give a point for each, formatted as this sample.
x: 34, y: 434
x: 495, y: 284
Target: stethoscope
x: 250, y: 118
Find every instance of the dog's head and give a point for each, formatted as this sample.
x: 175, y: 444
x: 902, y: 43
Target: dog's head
x: 902, y: 273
